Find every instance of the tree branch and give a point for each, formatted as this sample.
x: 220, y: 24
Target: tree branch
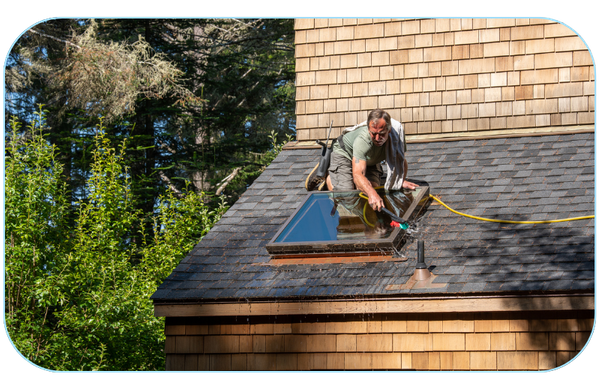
x: 170, y: 184
x: 228, y: 180
x: 54, y: 38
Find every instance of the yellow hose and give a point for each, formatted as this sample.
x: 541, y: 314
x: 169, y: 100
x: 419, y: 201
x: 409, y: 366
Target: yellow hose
x: 502, y: 221
x: 365, y: 215
x: 494, y: 220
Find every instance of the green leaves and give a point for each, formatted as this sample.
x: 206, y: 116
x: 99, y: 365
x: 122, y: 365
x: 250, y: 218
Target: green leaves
x: 179, y: 222
x: 205, y: 104
x: 34, y: 211
x: 77, y: 295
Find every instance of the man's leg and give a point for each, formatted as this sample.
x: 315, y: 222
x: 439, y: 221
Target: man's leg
x: 340, y: 174
x: 328, y: 181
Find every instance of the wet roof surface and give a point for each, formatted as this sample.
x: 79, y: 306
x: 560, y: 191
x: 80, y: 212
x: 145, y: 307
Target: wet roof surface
x: 527, y: 178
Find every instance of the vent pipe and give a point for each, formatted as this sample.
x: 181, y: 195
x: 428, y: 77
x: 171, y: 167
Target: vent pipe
x: 421, y: 271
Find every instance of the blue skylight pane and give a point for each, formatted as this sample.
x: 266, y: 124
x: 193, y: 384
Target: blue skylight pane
x: 343, y: 216
x: 313, y: 222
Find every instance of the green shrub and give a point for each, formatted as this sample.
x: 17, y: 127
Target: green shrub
x: 77, y: 295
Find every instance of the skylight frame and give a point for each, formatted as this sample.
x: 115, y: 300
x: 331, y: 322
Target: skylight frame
x: 382, y: 246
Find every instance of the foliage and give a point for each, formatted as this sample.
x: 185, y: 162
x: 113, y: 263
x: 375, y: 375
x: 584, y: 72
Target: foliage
x: 94, y: 223
x: 109, y: 78
x: 179, y: 221
x: 77, y: 297
x: 248, y: 85
x: 200, y: 96
x: 35, y: 206
x: 253, y: 167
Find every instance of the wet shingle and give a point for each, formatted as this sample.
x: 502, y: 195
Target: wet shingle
x: 542, y: 177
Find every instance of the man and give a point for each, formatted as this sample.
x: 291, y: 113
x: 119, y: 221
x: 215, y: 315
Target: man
x: 357, y: 155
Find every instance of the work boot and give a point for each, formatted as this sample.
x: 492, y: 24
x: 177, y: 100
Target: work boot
x: 314, y: 182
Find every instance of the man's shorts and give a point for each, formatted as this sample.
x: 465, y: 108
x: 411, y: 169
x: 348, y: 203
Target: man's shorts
x: 340, y: 172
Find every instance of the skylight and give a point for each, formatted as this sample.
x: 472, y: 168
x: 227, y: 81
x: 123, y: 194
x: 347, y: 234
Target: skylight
x: 343, y: 222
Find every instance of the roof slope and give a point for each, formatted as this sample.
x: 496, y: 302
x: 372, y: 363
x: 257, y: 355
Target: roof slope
x: 527, y: 178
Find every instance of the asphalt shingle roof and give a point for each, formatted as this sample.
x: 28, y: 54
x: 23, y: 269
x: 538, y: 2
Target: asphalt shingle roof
x: 526, y: 178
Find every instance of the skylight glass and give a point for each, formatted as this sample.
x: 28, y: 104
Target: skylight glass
x: 344, y: 222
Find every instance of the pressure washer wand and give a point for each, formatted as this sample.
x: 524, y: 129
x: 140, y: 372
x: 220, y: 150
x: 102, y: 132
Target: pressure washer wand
x: 325, y: 155
x: 396, y: 221
x: 328, y: 134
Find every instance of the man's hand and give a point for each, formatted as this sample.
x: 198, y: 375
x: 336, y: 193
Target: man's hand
x: 375, y: 201
x: 408, y: 185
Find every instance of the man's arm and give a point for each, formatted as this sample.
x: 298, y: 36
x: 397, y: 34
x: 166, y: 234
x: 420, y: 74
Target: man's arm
x: 359, y: 170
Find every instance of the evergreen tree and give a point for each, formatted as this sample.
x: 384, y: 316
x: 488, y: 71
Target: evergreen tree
x: 198, y: 99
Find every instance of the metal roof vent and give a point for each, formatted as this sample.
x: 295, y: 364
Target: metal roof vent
x: 421, y: 271
x: 422, y: 278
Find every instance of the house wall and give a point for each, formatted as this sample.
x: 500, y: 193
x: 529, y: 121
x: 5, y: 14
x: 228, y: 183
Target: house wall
x: 447, y: 342
x: 441, y: 75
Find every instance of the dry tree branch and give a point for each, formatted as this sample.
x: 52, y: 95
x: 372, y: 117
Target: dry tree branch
x: 227, y: 180
x: 54, y: 38
x: 108, y: 78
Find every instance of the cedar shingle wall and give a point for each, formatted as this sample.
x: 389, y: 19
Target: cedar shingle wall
x: 441, y: 75
x: 470, y: 341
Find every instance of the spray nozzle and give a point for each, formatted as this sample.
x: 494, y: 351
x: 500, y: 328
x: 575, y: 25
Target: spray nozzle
x: 395, y: 224
x: 396, y: 221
